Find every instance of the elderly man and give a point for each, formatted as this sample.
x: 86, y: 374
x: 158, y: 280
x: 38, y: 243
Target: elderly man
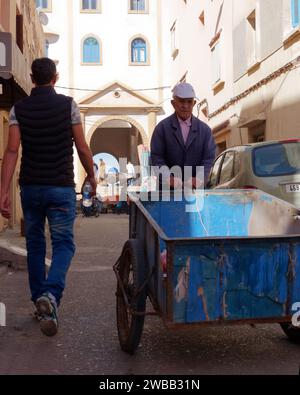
x: 183, y: 140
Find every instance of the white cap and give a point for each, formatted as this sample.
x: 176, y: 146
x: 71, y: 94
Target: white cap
x: 184, y: 91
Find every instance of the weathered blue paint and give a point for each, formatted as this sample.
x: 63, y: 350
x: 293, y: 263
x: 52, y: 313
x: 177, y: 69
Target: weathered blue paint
x: 233, y: 281
x: 237, y: 259
x: 221, y: 216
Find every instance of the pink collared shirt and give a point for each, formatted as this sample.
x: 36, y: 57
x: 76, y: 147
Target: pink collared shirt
x: 185, y: 127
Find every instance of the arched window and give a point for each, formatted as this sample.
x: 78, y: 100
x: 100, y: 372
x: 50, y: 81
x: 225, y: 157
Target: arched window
x: 295, y: 9
x: 91, y: 50
x: 139, y: 51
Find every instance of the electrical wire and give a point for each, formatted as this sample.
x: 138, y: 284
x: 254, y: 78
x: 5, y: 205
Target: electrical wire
x: 114, y: 90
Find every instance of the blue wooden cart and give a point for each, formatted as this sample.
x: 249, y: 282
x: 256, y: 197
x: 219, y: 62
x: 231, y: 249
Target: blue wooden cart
x: 218, y: 257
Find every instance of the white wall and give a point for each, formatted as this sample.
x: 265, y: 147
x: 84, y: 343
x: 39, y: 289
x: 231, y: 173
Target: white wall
x: 114, y: 26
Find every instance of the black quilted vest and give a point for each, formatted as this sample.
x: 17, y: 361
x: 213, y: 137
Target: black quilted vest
x: 46, y: 135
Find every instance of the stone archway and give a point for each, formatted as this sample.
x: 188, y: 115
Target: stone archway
x: 99, y: 124
x: 124, y: 118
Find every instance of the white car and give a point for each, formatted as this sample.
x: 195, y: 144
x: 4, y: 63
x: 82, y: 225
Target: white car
x: 271, y: 166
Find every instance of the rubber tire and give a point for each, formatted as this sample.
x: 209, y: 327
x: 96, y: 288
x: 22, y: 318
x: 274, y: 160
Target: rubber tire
x: 292, y: 333
x: 130, y: 327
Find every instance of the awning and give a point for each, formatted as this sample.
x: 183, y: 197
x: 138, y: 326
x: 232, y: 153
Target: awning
x: 252, y: 121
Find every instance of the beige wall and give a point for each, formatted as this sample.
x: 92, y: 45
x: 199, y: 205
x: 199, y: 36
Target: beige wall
x: 30, y: 48
x: 33, y: 36
x: 248, y: 97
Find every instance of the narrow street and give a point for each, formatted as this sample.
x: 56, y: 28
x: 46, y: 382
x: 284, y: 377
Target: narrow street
x: 87, y: 342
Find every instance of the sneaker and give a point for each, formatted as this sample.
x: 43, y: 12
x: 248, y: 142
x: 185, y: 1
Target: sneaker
x: 36, y: 316
x: 47, y: 309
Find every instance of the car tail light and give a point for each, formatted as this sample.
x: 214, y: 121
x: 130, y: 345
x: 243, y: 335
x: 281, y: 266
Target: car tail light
x: 249, y: 187
x: 290, y: 141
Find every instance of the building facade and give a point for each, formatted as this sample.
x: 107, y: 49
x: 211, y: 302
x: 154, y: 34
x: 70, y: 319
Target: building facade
x: 21, y: 41
x: 243, y: 59
x: 109, y: 60
x: 240, y: 57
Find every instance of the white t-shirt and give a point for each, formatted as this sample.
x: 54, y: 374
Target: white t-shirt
x: 75, y: 115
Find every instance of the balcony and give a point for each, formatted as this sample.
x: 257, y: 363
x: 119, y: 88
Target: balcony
x: 13, y: 63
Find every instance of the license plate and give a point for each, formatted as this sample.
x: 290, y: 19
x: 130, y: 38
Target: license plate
x: 291, y: 188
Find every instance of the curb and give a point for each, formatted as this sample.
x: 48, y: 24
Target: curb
x: 13, y: 256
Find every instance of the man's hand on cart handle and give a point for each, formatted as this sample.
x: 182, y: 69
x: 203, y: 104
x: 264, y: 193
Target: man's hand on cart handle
x: 194, y: 183
x: 175, y: 182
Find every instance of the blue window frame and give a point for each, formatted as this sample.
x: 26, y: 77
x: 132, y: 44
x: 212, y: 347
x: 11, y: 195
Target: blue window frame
x: 91, y: 50
x: 137, y: 5
x: 138, y: 51
x: 89, y: 4
x: 42, y: 4
x: 295, y: 10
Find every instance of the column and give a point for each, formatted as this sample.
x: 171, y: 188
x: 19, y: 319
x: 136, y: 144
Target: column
x: 152, y: 121
x: 81, y: 174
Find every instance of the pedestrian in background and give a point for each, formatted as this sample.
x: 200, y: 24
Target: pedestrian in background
x: 130, y: 173
x: 102, y: 170
x: 46, y: 124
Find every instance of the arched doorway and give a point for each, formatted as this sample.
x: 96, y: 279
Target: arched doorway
x: 118, y: 136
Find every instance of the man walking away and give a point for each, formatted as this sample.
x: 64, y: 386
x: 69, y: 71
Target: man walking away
x: 46, y: 124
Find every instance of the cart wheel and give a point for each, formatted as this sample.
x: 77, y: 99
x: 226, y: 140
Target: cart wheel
x: 291, y: 331
x: 132, y: 274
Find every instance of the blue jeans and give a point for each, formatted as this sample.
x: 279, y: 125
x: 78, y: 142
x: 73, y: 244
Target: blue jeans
x: 57, y: 204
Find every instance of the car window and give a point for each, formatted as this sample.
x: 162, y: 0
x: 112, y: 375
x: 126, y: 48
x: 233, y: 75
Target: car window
x: 237, y: 163
x: 214, y: 172
x: 227, y: 168
x: 276, y: 159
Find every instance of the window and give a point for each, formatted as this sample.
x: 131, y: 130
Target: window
x: 227, y: 171
x: 43, y: 4
x: 19, y: 30
x: 90, y: 6
x: 91, y: 50
x: 216, y: 63
x: 222, y: 146
x: 251, y: 43
x: 202, y: 18
x: 174, y: 48
x: 257, y: 133
x: 139, y: 51
x: 215, y: 172
x: 295, y: 11
x: 276, y: 159
x: 138, y: 6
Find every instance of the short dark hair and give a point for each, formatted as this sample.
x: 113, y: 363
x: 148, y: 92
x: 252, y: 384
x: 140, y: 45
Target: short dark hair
x: 43, y: 71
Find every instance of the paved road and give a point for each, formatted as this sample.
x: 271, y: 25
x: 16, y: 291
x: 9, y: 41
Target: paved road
x: 87, y: 342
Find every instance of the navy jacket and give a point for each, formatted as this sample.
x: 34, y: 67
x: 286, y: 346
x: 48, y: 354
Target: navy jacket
x: 168, y: 148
